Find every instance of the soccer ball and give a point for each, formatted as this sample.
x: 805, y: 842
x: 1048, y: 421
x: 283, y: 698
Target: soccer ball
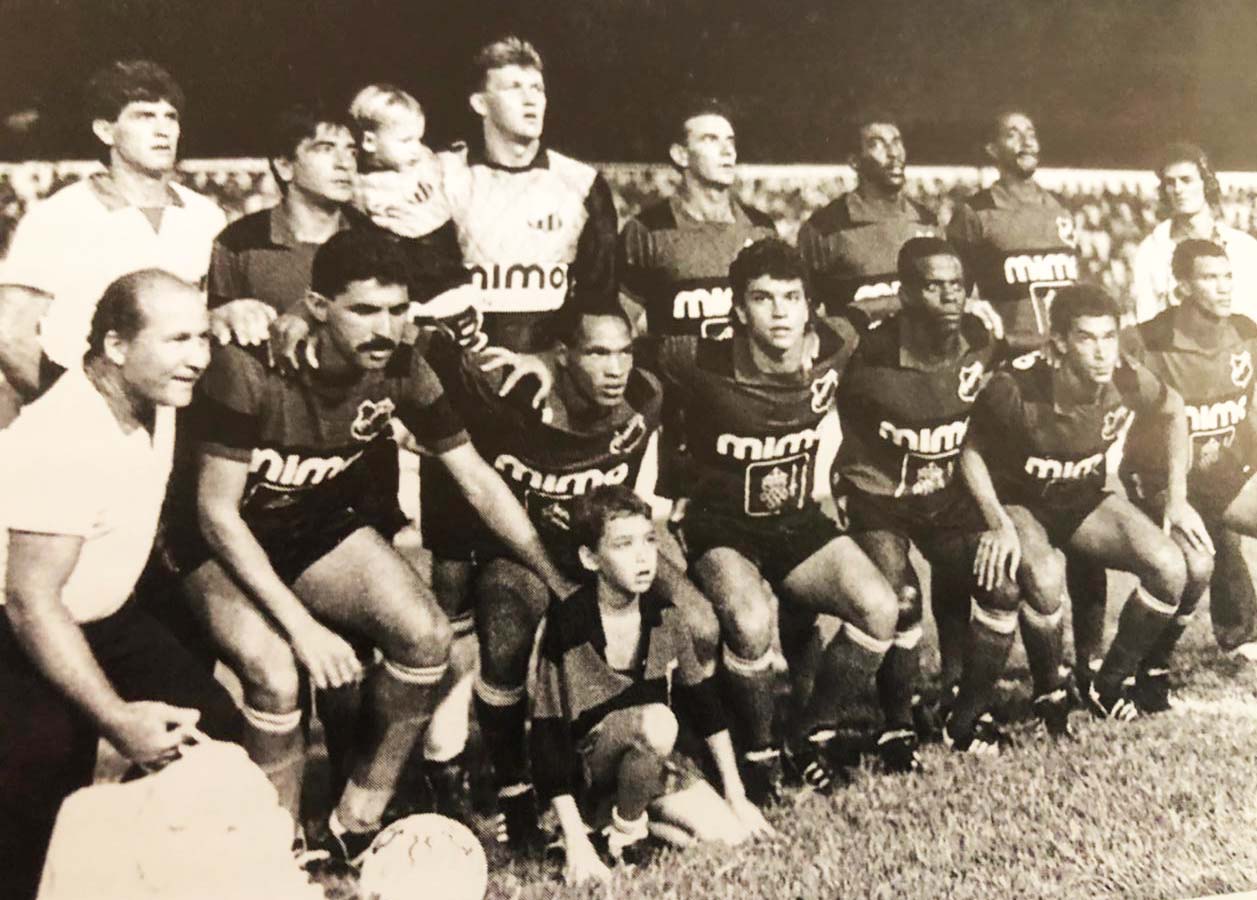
x: 427, y: 856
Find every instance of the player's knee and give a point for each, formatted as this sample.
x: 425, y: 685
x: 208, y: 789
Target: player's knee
x: 657, y: 729
x: 1005, y: 597
x: 750, y: 626
x: 909, y: 612
x: 877, y: 610
x: 1199, y: 573
x: 270, y: 677
x: 424, y: 639
x: 1042, y: 579
x: 1165, y: 570
x: 704, y: 630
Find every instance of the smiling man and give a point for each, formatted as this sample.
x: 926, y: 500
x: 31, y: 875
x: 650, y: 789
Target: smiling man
x: 68, y: 248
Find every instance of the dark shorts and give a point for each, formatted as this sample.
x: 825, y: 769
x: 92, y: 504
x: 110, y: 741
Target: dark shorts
x: 1210, y: 496
x: 1060, y: 518
x: 921, y: 523
x: 776, y: 545
x: 450, y: 527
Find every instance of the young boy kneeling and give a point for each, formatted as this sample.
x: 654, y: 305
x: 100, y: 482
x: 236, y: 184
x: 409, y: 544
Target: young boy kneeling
x: 612, y: 659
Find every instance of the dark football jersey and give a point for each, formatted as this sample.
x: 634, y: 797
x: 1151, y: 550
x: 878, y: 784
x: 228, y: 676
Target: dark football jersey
x: 533, y: 238
x: 677, y: 266
x: 851, y: 248
x: 304, y: 435
x: 904, y: 419
x: 549, y: 458
x: 1042, y: 448
x: 1018, y: 247
x: 753, y: 436
x: 1217, y: 386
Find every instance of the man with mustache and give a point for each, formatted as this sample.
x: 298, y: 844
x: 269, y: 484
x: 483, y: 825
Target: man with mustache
x: 851, y: 245
x: 287, y: 559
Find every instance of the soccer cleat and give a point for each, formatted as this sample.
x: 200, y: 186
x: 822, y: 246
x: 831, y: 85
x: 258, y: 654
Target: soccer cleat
x: 927, y: 717
x: 763, y: 776
x: 1052, y: 710
x: 811, y: 759
x: 986, y: 739
x: 1119, y: 708
x: 1152, y: 691
x: 517, y: 824
x: 450, y: 785
x: 342, y: 845
x: 897, y: 749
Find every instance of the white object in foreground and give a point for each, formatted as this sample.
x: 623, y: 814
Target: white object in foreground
x: 424, y: 855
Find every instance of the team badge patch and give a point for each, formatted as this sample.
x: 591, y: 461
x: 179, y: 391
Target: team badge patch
x: 1065, y: 231
x: 1113, y: 422
x: 970, y: 380
x: 823, y: 390
x: 630, y: 436
x: 373, y: 417
x: 1241, y: 368
x: 775, y: 486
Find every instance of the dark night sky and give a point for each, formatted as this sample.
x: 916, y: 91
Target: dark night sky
x: 1108, y: 82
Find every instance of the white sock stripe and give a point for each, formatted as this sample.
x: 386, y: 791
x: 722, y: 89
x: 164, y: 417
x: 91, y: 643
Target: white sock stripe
x: 1042, y: 620
x: 498, y: 696
x: 1001, y: 621
x: 761, y: 755
x: 746, y: 667
x: 515, y: 790
x: 910, y: 638
x: 462, y: 625
x: 1184, y: 618
x: 865, y: 641
x: 1154, y: 605
x: 271, y: 723
x: 415, y: 674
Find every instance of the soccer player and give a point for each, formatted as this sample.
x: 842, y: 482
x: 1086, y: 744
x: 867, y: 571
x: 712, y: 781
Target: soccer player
x: 537, y: 229
x: 135, y: 215
x: 851, y: 244
x: 674, y: 256
x: 287, y: 559
x: 904, y: 403
x: 1015, y: 238
x: 596, y: 428
x: 84, y: 471
x: 260, y: 264
x: 615, y: 660
x: 752, y: 407
x: 1192, y: 201
x: 1205, y: 351
x: 1037, y: 439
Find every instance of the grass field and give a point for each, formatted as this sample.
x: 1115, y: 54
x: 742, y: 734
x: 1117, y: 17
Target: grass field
x: 1164, y: 807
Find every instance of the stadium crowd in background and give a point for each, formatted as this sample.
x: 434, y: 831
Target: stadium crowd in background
x: 621, y: 435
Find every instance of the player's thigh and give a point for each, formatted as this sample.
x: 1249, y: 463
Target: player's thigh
x: 888, y: 550
x: 452, y: 584
x: 840, y: 580
x: 248, y: 640
x: 674, y: 585
x: 364, y: 586
x: 506, y: 586
x: 1241, y: 513
x: 1117, y: 535
x: 1041, y: 574
x: 738, y: 594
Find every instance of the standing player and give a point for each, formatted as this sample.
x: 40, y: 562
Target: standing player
x: 904, y: 403
x: 132, y: 216
x: 1192, y: 201
x: 595, y: 430
x: 1038, y: 436
x: 1205, y: 352
x: 851, y: 244
x: 291, y: 559
x: 752, y: 407
x: 536, y: 229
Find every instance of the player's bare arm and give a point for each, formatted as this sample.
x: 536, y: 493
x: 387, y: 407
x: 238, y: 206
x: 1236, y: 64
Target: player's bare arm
x: 21, y: 308
x: 220, y: 487
x: 1179, y: 514
x: 999, y: 549
x: 38, y: 567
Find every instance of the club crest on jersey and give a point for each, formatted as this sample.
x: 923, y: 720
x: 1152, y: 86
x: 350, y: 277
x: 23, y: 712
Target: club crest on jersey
x: 627, y: 439
x: 1065, y: 231
x: 970, y: 381
x: 823, y: 390
x: 373, y: 417
x: 1113, y: 422
x: 1241, y: 368
x: 548, y: 222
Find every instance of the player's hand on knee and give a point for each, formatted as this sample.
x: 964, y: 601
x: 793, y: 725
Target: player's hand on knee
x: 328, y: 657
x: 520, y: 365
x: 1182, y: 516
x: 288, y: 346
x: 246, y: 321
x: 583, y: 863
x: 750, y: 817
x: 150, y: 733
x: 998, y: 555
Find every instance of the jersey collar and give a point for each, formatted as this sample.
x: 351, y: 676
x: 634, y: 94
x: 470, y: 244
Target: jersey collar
x: 563, y: 398
x: 681, y: 213
x: 104, y: 189
x: 909, y: 360
x: 1026, y: 193
x: 746, y: 372
x: 866, y: 210
x: 477, y: 156
x: 1181, y: 340
x: 281, y: 226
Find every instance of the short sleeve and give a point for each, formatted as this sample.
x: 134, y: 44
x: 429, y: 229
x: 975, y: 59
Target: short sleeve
x: 224, y: 276
x: 33, y: 257
x: 633, y: 260
x: 226, y: 414
x: 50, y: 477
x: 1144, y: 391
x: 426, y: 411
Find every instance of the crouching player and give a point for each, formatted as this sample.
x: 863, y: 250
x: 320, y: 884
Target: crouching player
x: 614, y: 660
x: 292, y: 560
x: 904, y: 404
x: 1206, y: 353
x: 753, y: 406
x: 1035, y: 459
